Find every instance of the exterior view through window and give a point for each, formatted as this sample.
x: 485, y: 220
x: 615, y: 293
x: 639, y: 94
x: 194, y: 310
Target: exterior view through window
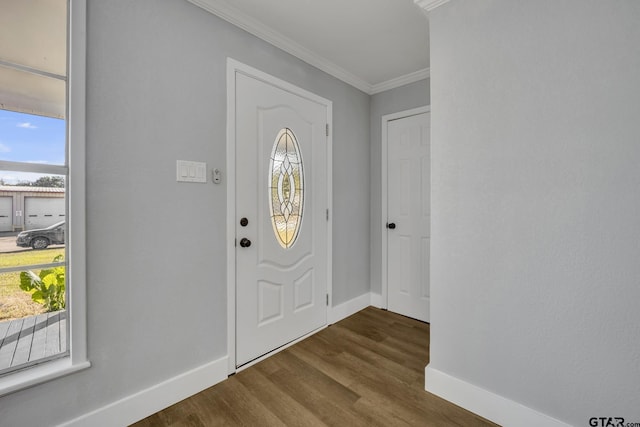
x: 33, y: 177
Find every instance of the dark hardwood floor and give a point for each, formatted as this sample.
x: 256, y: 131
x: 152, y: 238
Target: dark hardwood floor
x: 366, y: 370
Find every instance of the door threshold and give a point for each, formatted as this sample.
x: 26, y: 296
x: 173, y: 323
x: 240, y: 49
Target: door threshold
x: 277, y: 350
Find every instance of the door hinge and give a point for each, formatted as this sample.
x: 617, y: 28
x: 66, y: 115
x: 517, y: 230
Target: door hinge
x: 327, y: 299
x: 327, y: 214
x: 327, y: 129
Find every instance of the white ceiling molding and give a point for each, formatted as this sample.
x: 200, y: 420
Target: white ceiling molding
x: 400, y: 81
x: 429, y: 5
x: 230, y: 14
x: 239, y: 19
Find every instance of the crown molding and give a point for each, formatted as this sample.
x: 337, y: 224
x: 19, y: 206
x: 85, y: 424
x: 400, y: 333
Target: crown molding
x: 429, y: 5
x: 258, y: 29
x: 400, y: 81
x: 232, y: 15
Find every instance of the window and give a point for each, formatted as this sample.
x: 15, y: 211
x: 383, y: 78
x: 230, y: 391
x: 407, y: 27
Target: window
x: 286, y: 188
x: 42, y: 289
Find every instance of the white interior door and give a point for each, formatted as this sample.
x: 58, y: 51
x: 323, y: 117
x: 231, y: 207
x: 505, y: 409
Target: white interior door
x: 281, y: 224
x: 408, y: 215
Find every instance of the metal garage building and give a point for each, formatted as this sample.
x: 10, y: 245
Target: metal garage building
x: 26, y: 208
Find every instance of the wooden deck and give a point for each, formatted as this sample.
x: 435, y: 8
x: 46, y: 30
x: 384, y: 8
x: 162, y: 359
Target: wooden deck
x: 32, y: 338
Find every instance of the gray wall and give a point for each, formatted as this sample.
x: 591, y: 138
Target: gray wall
x: 388, y: 102
x: 157, y: 299
x: 535, y: 207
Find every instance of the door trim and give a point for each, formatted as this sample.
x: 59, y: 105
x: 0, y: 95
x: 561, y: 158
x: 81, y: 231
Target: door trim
x: 383, y: 227
x: 234, y: 67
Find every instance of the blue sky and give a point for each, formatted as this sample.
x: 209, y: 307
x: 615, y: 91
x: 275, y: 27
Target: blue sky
x: 31, y: 139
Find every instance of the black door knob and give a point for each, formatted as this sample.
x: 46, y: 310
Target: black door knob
x: 391, y: 225
x: 245, y: 243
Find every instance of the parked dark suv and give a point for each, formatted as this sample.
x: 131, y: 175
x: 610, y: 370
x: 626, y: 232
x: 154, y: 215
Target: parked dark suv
x: 42, y: 237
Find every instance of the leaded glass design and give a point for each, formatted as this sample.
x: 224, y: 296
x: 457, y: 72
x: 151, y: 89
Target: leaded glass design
x: 286, y: 188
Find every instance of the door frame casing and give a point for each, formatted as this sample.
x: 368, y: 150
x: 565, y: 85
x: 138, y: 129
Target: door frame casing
x: 233, y: 67
x: 384, y: 177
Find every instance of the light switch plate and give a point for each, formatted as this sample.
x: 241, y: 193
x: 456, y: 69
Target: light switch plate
x: 187, y: 171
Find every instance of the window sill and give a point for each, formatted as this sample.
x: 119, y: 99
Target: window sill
x: 39, y: 374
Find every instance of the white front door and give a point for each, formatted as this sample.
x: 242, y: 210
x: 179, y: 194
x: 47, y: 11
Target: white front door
x: 408, y: 215
x: 281, y: 216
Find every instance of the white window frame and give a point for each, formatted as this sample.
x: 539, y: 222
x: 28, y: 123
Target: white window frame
x: 76, y: 263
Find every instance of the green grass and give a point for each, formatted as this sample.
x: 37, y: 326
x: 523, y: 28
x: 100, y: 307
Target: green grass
x: 29, y: 257
x: 14, y: 302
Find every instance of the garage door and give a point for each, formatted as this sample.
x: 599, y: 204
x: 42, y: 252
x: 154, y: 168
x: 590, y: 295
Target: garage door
x: 6, y: 209
x: 40, y: 212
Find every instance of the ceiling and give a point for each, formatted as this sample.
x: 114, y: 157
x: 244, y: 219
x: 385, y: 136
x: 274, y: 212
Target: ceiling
x: 33, y: 61
x: 373, y: 45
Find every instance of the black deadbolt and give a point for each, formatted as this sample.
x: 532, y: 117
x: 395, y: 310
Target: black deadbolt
x: 244, y: 222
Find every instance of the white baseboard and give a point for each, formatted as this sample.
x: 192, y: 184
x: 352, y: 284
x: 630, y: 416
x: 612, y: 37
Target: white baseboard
x: 376, y: 300
x: 485, y: 403
x: 140, y: 405
x: 350, y: 307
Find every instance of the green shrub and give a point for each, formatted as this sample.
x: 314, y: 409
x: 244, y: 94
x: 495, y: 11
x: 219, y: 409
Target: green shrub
x: 47, y: 288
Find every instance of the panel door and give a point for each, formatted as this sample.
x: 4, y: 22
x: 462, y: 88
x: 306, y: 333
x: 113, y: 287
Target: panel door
x: 408, y: 213
x: 281, y: 192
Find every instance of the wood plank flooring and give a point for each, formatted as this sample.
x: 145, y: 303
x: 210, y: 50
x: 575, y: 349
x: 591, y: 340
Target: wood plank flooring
x: 366, y: 370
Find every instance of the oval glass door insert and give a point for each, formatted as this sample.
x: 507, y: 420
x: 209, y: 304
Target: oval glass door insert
x: 286, y: 188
